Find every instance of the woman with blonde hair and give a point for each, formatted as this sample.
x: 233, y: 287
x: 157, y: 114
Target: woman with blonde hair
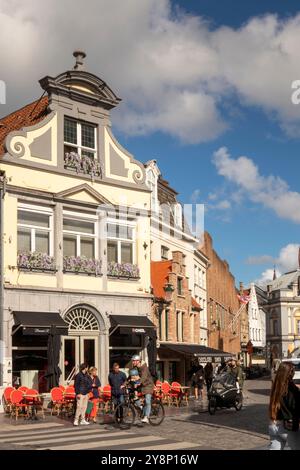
x: 96, y: 384
x: 284, y: 410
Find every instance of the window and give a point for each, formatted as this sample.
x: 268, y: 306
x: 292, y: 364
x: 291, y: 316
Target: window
x: 80, y: 137
x: 167, y: 312
x: 160, y: 323
x: 179, y: 286
x: 120, y: 243
x: 164, y: 252
x: 192, y: 327
x: 151, y: 183
x: 177, y: 211
x: 182, y: 326
x: 79, y: 237
x: 298, y: 326
x: 35, y: 230
x: 179, y: 326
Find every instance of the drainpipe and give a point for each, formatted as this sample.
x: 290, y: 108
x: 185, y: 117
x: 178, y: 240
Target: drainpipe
x: 2, y: 194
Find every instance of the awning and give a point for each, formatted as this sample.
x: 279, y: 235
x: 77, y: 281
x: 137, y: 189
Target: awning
x: 197, y: 350
x: 40, y: 323
x: 131, y: 324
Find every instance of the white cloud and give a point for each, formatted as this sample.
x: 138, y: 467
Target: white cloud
x: 271, y: 191
x: 287, y: 260
x: 173, y: 70
x: 195, y: 196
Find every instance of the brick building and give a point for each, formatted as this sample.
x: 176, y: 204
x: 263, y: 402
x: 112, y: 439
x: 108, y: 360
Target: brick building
x: 176, y: 314
x: 223, y: 303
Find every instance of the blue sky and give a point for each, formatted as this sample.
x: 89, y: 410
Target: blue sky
x: 251, y: 229
x: 206, y: 89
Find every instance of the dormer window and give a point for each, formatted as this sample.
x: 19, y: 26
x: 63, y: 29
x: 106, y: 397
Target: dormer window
x: 80, y: 138
x: 151, y: 181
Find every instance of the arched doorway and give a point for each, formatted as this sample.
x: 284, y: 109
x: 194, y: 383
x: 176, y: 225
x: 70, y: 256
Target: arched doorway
x: 82, y: 343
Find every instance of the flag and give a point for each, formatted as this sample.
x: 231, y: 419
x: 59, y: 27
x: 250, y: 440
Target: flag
x: 244, y: 299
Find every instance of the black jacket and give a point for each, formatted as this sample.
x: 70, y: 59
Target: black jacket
x: 115, y: 381
x: 83, y: 384
x: 95, y: 383
x: 290, y: 406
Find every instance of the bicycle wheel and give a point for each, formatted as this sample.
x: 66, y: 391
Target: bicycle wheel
x: 239, y: 402
x: 212, y: 406
x: 157, y: 414
x: 124, y: 415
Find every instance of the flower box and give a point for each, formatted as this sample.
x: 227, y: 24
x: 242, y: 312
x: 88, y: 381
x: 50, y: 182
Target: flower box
x: 36, y: 262
x: 82, y: 265
x: 123, y: 270
x: 83, y: 164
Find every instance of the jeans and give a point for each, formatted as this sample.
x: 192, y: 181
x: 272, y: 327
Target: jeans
x: 119, y: 400
x: 281, y: 438
x: 147, y: 407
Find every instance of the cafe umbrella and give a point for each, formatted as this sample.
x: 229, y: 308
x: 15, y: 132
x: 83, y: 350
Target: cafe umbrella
x: 53, y: 370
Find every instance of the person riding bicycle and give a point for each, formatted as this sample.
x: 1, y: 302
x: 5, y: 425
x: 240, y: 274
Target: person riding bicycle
x: 147, y: 385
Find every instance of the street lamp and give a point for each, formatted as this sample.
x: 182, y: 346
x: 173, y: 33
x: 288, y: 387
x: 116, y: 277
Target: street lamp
x: 169, y: 289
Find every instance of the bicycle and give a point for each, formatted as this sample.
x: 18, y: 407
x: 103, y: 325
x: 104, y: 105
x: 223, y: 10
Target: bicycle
x: 125, y: 413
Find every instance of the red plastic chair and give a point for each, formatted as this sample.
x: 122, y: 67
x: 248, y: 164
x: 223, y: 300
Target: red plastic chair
x: 17, y: 403
x: 23, y: 389
x: 166, y: 392
x: 33, y: 400
x: 62, y: 388
x: 57, y: 399
x: 176, y: 393
x: 6, y: 399
x: 106, y: 396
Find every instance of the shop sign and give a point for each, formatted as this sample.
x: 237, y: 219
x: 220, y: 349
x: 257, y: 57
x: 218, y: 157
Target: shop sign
x: 36, y: 331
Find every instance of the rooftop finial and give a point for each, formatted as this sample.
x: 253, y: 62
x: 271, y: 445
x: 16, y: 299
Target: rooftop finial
x: 274, y: 273
x: 79, y: 56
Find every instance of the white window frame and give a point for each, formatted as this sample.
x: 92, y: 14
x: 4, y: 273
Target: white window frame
x: 33, y: 228
x: 178, y: 214
x: 151, y: 181
x: 132, y: 225
x: 84, y: 218
x: 79, y: 146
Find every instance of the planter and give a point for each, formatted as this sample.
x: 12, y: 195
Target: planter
x: 38, y: 262
x: 123, y: 271
x: 82, y: 164
x: 82, y: 265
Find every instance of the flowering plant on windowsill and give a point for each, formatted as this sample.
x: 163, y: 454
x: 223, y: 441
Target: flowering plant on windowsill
x: 123, y: 270
x: 82, y: 265
x: 83, y: 164
x: 35, y: 261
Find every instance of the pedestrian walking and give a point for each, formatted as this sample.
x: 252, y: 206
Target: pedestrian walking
x: 117, y: 380
x: 94, y: 394
x: 198, y: 382
x: 284, y: 410
x: 83, y: 386
x: 208, y: 375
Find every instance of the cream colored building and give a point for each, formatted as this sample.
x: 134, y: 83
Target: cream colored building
x: 169, y: 233
x: 76, y: 232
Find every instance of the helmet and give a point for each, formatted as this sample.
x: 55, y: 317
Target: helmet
x: 133, y: 372
x: 136, y: 357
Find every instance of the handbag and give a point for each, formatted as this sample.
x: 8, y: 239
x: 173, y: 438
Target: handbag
x: 89, y: 407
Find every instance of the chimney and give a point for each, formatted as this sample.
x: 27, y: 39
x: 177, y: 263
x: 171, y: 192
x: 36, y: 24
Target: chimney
x: 241, y: 287
x: 79, y: 56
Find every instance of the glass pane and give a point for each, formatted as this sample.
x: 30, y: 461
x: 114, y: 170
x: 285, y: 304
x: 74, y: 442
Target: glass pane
x: 125, y: 232
x: 70, y: 354
x: 89, y: 352
x: 112, y: 252
x: 32, y: 218
x: 85, y: 153
x: 126, y: 253
x: 70, y: 148
x: 79, y: 226
x: 24, y: 240
x: 112, y: 230
x: 88, y: 136
x: 70, y: 245
x: 70, y: 131
x: 42, y: 242
x: 87, y: 247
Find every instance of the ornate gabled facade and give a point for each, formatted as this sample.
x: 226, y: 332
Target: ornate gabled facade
x: 282, y: 304
x: 75, y: 233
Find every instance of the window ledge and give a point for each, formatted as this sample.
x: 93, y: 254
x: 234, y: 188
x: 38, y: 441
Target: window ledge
x: 123, y: 278
x: 67, y: 271
x: 37, y: 270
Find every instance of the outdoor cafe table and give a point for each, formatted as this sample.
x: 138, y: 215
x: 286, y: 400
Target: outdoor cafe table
x: 32, y: 406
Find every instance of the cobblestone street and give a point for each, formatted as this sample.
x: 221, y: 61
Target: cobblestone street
x: 187, y: 428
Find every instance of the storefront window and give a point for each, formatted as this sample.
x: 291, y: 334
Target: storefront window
x: 160, y: 370
x: 173, y: 372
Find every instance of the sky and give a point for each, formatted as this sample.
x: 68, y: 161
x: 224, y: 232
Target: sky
x: 206, y: 91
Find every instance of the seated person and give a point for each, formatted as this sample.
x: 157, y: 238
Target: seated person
x: 134, y: 383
